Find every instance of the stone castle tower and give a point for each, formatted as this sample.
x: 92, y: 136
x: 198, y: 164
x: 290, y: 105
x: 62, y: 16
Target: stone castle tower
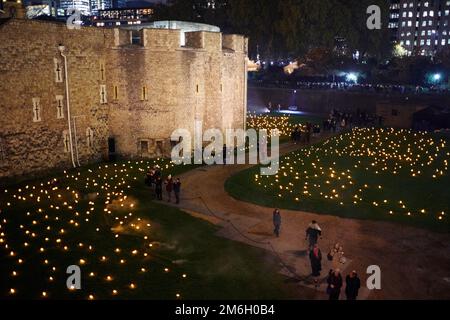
x: 127, y: 91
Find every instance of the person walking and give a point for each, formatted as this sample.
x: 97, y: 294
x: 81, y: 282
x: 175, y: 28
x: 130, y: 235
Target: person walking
x: 158, y: 188
x: 169, y: 187
x: 308, y: 132
x: 352, y: 285
x: 277, y: 222
x: 334, y: 284
x: 313, y: 232
x: 315, y: 256
x: 177, y: 189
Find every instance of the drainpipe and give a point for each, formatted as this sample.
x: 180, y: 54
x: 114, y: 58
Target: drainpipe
x: 76, y: 141
x: 61, y: 49
x: 245, y: 91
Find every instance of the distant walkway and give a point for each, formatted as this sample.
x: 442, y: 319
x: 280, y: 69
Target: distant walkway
x: 415, y: 263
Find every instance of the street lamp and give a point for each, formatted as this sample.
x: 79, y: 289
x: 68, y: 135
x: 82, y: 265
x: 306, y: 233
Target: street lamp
x: 352, y: 77
x: 437, y: 77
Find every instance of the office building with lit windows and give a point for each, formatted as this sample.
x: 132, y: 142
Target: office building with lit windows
x: 122, y: 16
x: 97, y: 5
x: 422, y: 27
x: 81, y: 5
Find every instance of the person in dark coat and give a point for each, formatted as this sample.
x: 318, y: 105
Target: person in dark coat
x: 334, y: 284
x: 308, y: 132
x: 277, y: 222
x: 352, y: 286
x: 158, y: 188
x: 176, y: 190
x: 313, y: 232
x: 169, y: 187
x: 147, y: 178
x: 315, y: 256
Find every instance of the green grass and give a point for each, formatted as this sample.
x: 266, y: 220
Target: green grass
x: 380, y: 167
x: 215, y: 268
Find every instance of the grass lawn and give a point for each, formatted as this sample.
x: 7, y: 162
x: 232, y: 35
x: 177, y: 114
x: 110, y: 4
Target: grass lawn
x: 103, y: 219
x: 377, y: 174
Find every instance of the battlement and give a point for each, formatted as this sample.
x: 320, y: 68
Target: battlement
x: 169, y: 39
x: 210, y: 41
x: 237, y: 43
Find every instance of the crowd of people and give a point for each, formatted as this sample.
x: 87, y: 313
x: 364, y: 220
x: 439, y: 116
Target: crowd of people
x: 385, y: 89
x: 154, y: 179
x: 334, y: 279
x: 337, y: 121
x: 302, y: 134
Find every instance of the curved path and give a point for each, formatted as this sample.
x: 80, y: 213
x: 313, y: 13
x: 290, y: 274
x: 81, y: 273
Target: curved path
x: 415, y: 263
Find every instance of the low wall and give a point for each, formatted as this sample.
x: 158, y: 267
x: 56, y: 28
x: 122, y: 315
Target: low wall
x: 323, y: 101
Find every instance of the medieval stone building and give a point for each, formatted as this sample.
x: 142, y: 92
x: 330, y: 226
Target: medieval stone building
x: 125, y: 91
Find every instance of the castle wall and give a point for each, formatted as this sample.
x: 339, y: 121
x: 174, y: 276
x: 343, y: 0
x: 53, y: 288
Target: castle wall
x: 28, y: 51
x: 150, y: 89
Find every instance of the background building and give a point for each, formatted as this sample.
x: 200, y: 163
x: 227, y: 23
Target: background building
x: 122, y: 16
x: 83, y: 6
x: 97, y: 5
x: 394, y: 15
x: 423, y: 25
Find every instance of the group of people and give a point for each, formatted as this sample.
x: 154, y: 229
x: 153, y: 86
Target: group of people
x: 383, y: 89
x: 303, y: 134
x: 153, y: 179
x: 339, y: 121
x: 334, y: 280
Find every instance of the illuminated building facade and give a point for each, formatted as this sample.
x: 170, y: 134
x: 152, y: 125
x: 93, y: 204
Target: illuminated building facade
x: 421, y: 26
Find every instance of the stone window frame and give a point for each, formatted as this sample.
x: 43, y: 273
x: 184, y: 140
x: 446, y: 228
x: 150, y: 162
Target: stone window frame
x: 66, y: 141
x: 37, y: 110
x: 157, y: 141
x: 136, y: 37
x: 116, y: 93
x: 140, y: 151
x: 144, y: 93
x: 102, y: 70
x: 89, y: 137
x: 58, y: 69
x: 59, y: 106
x: 103, y: 94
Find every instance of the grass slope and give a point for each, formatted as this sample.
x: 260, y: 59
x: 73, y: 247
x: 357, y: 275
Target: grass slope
x: 128, y: 247
x: 377, y: 174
